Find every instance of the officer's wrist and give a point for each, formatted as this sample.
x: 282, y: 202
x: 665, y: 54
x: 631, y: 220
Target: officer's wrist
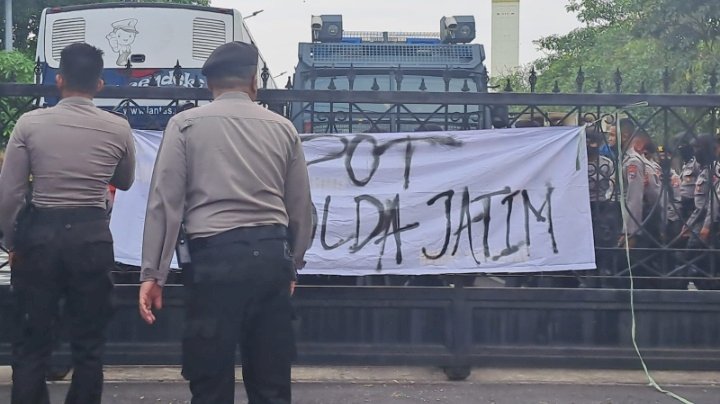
x: 152, y: 276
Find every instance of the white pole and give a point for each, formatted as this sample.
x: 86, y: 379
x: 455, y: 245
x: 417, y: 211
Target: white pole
x: 8, y: 26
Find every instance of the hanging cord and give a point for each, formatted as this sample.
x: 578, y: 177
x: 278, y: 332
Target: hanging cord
x: 625, y: 214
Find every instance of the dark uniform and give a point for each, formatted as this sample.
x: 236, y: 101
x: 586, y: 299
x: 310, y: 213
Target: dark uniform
x: 235, y: 174
x: 61, y: 241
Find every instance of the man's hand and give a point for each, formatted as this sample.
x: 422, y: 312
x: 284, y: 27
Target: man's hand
x: 685, y: 233
x: 705, y: 234
x: 630, y: 242
x: 150, y: 296
x: 11, y: 259
x: 292, y: 287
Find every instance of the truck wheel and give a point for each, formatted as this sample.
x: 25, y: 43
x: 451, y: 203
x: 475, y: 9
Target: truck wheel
x: 457, y: 373
x: 57, y: 372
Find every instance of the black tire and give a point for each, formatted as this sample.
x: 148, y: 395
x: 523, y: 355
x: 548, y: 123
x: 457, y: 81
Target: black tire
x: 57, y: 372
x: 457, y: 373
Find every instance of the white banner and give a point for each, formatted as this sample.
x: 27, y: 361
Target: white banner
x: 512, y: 200
x: 128, y: 214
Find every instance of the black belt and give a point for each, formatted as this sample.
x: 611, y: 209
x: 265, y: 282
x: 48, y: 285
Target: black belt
x: 241, y: 234
x: 75, y: 215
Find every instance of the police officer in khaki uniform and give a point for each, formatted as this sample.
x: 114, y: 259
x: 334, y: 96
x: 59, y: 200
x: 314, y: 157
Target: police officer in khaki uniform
x: 700, y: 220
x: 688, y: 177
x: 61, y: 243
x: 697, y: 230
x: 234, y: 174
x: 642, y: 190
x: 642, y: 194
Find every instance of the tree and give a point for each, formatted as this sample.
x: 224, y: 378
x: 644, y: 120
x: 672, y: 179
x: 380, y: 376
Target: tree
x: 14, y: 67
x: 640, y: 38
x: 27, y: 17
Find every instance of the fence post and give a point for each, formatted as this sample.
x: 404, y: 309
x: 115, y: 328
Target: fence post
x: 460, y: 320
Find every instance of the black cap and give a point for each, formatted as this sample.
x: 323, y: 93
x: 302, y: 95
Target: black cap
x: 594, y: 137
x: 229, y: 59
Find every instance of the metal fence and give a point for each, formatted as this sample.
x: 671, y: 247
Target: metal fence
x: 665, y: 252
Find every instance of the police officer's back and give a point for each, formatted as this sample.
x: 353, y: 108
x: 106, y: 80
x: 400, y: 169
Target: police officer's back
x: 61, y: 244
x: 235, y: 174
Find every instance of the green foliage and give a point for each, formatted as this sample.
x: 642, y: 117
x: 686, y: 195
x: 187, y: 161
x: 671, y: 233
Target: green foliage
x: 517, y: 81
x: 14, y: 67
x: 640, y: 38
x: 26, y: 17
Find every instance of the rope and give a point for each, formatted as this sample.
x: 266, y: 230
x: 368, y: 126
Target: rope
x: 651, y: 380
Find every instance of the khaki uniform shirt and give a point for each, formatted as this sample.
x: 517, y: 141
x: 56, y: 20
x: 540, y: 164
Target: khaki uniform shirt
x: 689, y: 174
x: 673, y: 202
x: 642, y: 189
x: 701, y: 216
x: 72, y: 151
x: 222, y: 166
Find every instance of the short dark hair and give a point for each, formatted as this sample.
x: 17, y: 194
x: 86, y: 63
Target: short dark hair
x: 241, y: 75
x: 627, y: 123
x: 231, y: 63
x: 642, y: 135
x: 705, y: 149
x: 81, y: 66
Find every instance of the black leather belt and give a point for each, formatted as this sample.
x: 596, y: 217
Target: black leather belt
x: 75, y: 215
x: 241, y: 234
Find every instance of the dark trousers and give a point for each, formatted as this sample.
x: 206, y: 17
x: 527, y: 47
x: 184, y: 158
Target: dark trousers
x: 61, y: 254
x: 238, y: 294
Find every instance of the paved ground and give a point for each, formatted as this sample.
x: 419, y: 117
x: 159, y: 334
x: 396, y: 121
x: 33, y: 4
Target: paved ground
x: 463, y: 393
x: 421, y: 385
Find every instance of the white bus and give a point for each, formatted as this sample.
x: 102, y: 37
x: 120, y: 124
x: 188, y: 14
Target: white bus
x: 142, y: 42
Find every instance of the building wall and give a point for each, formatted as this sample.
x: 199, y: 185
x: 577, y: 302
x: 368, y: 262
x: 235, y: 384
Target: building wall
x: 505, y: 47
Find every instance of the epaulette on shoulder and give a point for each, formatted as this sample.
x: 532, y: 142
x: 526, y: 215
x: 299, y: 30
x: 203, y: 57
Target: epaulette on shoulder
x: 185, y: 123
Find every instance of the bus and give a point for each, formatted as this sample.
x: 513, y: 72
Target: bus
x: 144, y: 44
x: 443, y: 61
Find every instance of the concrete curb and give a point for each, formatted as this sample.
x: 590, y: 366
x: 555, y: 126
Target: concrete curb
x: 412, y: 375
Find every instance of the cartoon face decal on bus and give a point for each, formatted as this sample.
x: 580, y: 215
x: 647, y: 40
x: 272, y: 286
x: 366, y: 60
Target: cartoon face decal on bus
x: 121, y: 39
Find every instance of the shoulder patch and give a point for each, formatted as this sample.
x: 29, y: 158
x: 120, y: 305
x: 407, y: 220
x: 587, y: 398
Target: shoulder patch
x: 632, y: 171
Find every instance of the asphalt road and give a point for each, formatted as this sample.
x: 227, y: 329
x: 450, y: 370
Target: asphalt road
x: 381, y: 393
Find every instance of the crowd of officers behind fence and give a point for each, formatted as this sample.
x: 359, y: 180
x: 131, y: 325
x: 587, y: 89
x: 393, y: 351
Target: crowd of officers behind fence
x: 670, y: 198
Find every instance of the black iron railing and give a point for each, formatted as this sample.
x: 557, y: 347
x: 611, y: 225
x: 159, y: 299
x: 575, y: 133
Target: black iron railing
x: 664, y: 254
